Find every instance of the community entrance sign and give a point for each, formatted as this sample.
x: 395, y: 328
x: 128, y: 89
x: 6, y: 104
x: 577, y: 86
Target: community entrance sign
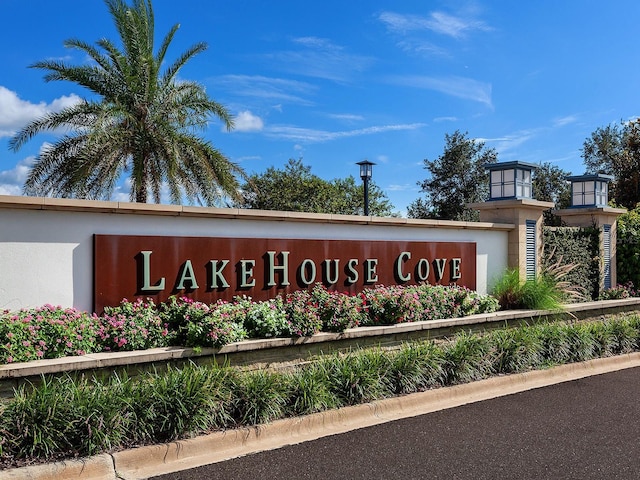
x: 212, y: 268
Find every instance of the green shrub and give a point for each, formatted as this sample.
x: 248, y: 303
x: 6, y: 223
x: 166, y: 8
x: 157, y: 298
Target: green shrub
x: 390, y: 305
x: 628, y: 247
x: 575, y: 246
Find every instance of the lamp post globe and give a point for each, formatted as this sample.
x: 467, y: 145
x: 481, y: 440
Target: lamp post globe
x: 366, y: 171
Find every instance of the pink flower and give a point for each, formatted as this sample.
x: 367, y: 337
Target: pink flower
x: 9, y: 359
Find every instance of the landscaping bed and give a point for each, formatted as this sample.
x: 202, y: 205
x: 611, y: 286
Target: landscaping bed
x: 71, y: 416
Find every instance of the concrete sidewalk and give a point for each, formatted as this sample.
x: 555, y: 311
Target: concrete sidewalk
x: 145, y: 462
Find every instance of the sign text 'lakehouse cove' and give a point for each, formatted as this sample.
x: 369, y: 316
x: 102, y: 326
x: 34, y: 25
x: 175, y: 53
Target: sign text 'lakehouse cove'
x: 212, y: 268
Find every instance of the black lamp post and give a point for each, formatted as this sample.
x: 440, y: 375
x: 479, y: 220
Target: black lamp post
x: 366, y: 170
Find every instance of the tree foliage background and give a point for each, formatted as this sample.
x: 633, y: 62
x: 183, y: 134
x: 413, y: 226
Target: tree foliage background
x: 457, y: 177
x: 615, y: 150
x: 296, y: 189
x: 550, y: 185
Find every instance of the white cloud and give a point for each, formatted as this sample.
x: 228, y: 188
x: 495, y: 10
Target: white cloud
x: 257, y: 86
x: 510, y: 142
x: 247, y: 122
x: 16, y: 113
x: 563, y: 121
x: 445, y: 119
x: 319, y: 58
x: 348, y: 117
x: 437, y: 22
x: 401, y: 188
x: 423, y: 47
x: 11, y: 181
x: 310, y: 135
x: 460, y: 87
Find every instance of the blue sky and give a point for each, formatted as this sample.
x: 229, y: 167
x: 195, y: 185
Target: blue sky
x: 335, y: 82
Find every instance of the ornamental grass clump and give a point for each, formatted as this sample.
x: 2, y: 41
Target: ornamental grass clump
x: 46, y: 332
x: 309, y: 391
x: 259, y: 396
x: 516, y: 350
x: 555, y: 342
x: 357, y: 376
x: 538, y: 293
x: 64, y: 417
x: 467, y: 357
x: 416, y: 367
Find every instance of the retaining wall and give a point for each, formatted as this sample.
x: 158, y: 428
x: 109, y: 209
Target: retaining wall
x: 46, y: 244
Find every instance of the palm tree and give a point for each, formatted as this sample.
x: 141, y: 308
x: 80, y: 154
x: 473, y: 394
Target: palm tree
x: 143, y: 123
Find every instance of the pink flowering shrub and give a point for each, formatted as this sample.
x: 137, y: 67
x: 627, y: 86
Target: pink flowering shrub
x: 51, y: 332
x: 265, y: 319
x: 133, y: 326
x: 438, y: 301
x: 618, y: 292
x: 302, y: 313
x: 200, y: 325
x: 389, y: 305
x: 338, y: 311
x: 46, y: 332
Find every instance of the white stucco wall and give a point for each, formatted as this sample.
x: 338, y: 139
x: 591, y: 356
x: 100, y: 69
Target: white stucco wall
x: 46, y: 245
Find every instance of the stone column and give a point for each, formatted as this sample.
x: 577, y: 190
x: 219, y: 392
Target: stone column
x: 518, y: 212
x: 598, y: 217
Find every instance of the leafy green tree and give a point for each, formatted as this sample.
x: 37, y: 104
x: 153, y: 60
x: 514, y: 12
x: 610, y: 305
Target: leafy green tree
x: 615, y: 150
x: 141, y: 121
x: 457, y: 177
x: 296, y: 189
x: 550, y: 185
x: 628, y: 248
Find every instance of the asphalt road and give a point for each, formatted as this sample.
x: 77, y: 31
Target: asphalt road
x: 584, y: 429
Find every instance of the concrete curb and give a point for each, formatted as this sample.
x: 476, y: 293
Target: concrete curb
x: 144, y: 462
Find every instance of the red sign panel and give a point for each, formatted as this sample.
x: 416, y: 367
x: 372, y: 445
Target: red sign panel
x: 212, y: 268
